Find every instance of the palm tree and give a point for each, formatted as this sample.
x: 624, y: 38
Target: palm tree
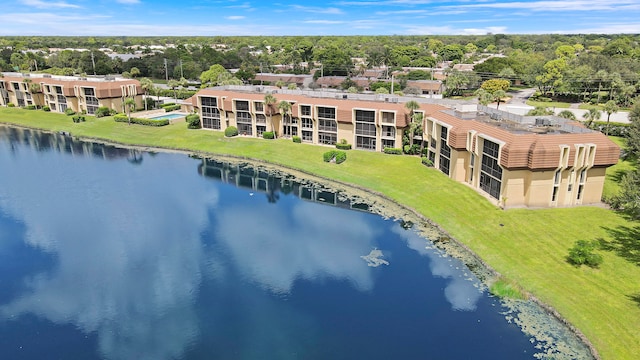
x: 34, y: 88
x: 270, y: 100
x: 567, y: 114
x: 412, y: 106
x: 610, y: 107
x: 129, y: 104
x: 498, y: 95
x: 590, y: 116
x: 147, y: 85
x: 285, y: 108
x: 484, y: 97
x: 173, y: 85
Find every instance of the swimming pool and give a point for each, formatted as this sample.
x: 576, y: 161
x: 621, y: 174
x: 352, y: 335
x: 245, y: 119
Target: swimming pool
x: 167, y: 117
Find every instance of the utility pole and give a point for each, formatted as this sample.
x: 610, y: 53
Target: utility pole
x: 260, y: 73
x: 166, y: 72
x: 93, y: 61
x: 181, y: 73
x: 392, y: 84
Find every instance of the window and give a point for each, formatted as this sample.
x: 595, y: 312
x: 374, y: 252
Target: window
x: 388, y: 131
x: 307, y: 135
x: 366, y: 131
x: 557, y: 177
x: 242, y: 105
x: 259, y: 106
x: 326, y: 112
x: 261, y: 119
x: 327, y: 138
x: 305, y: 110
x: 366, y: 143
x: 490, y: 170
x: 472, y: 166
x: 88, y: 92
x: 307, y: 123
x: 245, y: 129
x: 327, y: 125
x: 62, y: 99
x: 260, y: 129
x: 445, y: 151
x: 209, y: 101
x: 243, y: 117
x: 387, y: 143
x: 387, y: 118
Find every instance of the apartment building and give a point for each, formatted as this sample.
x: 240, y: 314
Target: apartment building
x: 68, y: 92
x: 514, y: 161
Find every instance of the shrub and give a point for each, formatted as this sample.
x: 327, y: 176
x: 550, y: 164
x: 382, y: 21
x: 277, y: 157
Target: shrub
x: 231, y: 131
x: 343, y: 145
x: 615, y: 129
x: 193, y: 121
x: 335, y: 155
x: 268, y: 135
x: 103, y: 111
x: 11, y: 105
x: 296, y: 139
x: 582, y: 253
x: 171, y: 108
x: 30, y: 107
x: 46, y: 108
x: 69, y: 112
x: 425, y: 161
x: 504, y: 288
x: 167, y: 104
x: 146, y: 122
x: 78, y: 118
x: 392, y: 151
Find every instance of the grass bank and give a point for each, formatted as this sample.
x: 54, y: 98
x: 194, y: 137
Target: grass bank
x: 526, y: 246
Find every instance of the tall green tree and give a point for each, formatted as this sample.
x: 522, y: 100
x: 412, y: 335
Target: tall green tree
x: 590, y: 116
x: 210, y: 77
x: 610, y: 107
x: 129, y: 105
x: 633, y: 136
x: 412, y: 106
x: 173, y: 85
x: 269, y: 101
x: 147, y: 86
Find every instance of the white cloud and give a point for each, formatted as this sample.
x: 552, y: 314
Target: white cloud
x: 317, y: 10
x: 128, y: 1
x: 329, y: 22
x: 40, y: 4
x: 235, y: 17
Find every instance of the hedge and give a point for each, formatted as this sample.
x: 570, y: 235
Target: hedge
x: 231, y: 131
x: 615, y: 129
x: 104, y: 111
x: 392, y: 151
x: 146, y: 122
x: 296, y: 139
x: 78, y: 118
x: 171, y: 108
x: 11, y: 105
x: 339, y: 156
x: 193, y: 121
x: 268, y: 135
x: 69, y: 112
x: 342, y: 146
x: 30, y: 107
x: 46, y: 108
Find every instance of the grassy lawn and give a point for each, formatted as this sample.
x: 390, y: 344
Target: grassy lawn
x: 549, y: 104
x: 526, y: 246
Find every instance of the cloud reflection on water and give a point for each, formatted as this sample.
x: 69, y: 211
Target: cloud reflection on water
x: 127, y: 269
x: 316, y: 242
x: 461, y: 292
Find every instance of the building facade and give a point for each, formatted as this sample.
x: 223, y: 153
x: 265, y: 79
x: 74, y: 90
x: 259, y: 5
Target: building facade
x: 514, y: 161
x: 60, y: 93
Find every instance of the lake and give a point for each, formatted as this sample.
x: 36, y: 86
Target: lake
x: 112, y: 253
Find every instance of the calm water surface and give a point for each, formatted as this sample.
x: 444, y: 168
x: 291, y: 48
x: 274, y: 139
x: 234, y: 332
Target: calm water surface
x: 107, y: 253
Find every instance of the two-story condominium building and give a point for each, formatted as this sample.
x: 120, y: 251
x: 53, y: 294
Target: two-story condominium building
x: 68, y: 92
x: 513, y: 161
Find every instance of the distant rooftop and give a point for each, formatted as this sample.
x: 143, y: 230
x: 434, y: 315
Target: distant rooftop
x: 66, y: 78
x: 519, y: 124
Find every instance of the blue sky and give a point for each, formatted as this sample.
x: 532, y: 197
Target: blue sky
x: 329, y: 17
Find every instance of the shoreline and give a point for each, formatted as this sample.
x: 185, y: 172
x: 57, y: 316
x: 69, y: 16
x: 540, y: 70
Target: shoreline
x: 386, y: 207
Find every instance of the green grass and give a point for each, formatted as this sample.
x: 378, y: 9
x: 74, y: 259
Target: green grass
x: 616, y: 172
x: 549, y: 104
x: 526, y: 246
x: 504, y: 288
